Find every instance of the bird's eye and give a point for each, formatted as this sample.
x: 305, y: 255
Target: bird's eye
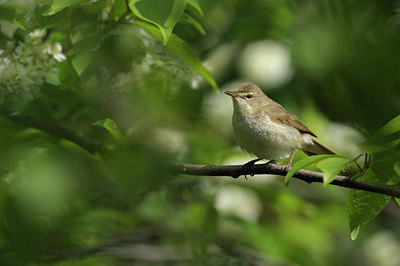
x: 249, y: 96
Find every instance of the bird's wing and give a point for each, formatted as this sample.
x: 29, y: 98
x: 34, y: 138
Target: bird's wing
x: 316, y: 148
x: 278, y: 114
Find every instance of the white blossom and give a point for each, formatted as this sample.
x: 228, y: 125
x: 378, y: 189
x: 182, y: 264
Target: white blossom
x: 24, y: 66
x: 37, y: 34
x: 55, y: 50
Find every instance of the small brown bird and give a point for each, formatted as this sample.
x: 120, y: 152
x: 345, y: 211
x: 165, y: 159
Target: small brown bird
x: 264, y: 128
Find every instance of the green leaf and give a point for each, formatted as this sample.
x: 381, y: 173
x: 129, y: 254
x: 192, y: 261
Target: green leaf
x: 397, y: 168
x: 52, y: 79
x: 303, y: 163
x: 182, y: 50
x: 363, y: 206
x: 59, y: 5
x: 14, y: 14
x: 81, y: 61
x: 386, y: 137
x: 110, y: 126
x: 191, y: 21
x: 162, y: 13
x: 118, y: 9
x: 331, y: 167
x: 8, y: 12
x: 371, y: 148
x: 68, y: 76
x: 195, y: 4
x: 391, y: 127
x: 397, y: 171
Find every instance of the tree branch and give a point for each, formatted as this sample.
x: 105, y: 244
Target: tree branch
x: 308, y: 176
x: 234, y: 171
x: 86, y: 143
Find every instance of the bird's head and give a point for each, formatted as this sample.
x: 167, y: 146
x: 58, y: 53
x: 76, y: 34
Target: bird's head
x: 247, y: 97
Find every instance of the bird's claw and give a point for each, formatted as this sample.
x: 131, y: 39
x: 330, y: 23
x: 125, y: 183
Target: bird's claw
x: 249, y: 167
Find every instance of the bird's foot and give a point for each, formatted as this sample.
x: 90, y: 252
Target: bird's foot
x: 249, y: 167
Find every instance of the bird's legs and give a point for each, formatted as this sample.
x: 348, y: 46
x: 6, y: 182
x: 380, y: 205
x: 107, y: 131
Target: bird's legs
x: 289, y: 164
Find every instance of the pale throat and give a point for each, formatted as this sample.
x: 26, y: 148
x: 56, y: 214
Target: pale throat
x: 240, y: 107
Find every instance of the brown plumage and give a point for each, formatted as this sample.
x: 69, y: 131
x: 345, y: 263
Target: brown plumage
x: 264, y: 128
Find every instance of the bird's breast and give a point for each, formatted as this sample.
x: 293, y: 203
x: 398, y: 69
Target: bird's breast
x: 263, y: 137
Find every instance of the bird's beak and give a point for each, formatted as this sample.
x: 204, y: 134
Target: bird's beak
x: 232, y: 94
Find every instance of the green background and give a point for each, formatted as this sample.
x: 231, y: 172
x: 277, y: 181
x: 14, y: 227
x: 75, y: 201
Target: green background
x: 143, y: 79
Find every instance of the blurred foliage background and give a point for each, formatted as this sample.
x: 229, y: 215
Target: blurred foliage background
x: 107, y: 75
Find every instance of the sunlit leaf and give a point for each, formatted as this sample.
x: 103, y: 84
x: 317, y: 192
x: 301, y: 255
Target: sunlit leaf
x: 58, y: 5
x: 182, y: 50
x: 332, y: 166
x: 162, y: 13
x: 303, y: 163
x: 110, y: 126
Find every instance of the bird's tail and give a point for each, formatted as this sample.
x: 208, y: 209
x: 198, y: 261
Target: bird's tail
x: 317, y: 148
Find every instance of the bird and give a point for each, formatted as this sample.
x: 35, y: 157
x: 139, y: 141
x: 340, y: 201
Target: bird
x: 262, y: 127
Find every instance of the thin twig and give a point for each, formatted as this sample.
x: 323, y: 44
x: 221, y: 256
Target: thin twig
x: 86, y: 143
x: 275, y: 169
